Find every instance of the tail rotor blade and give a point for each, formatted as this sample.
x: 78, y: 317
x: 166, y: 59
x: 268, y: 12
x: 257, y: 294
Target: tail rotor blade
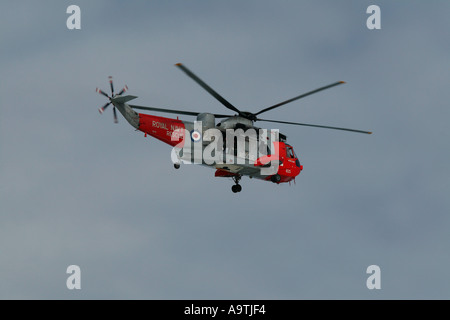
x: 115, y: 115
x: 104, y: 107
x: 101, y: 92
x: 112, y: 87
x: 123, y: 90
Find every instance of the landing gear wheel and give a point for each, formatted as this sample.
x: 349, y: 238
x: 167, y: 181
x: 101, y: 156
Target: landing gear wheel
x: 275, y: 178
x: 176, y: 165
x: 237, y: 187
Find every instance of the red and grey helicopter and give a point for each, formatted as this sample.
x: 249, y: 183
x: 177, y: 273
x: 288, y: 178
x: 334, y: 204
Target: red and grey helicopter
x: 165, y: 129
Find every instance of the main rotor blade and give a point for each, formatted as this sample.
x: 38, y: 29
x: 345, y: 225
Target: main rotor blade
x: 300, y: 96
x: 189, y: 113
x: 315, y: 125
x: 207, y: 88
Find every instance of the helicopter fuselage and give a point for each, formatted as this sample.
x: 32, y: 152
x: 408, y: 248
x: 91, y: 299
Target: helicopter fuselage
x: 232, y: 163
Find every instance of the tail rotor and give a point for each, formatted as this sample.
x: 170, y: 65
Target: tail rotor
x: 102, y: 109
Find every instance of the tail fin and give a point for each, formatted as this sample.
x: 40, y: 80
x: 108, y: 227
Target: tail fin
x: 120, y: 99
x: 120, y: 103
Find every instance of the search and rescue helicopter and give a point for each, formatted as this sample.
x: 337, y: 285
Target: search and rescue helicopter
x: 236, y: 163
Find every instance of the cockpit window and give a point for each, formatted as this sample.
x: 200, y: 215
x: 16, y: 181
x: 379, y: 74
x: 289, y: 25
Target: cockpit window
x: 290, y: 152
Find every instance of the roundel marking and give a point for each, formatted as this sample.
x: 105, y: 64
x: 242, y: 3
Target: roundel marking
x: 196, y: 136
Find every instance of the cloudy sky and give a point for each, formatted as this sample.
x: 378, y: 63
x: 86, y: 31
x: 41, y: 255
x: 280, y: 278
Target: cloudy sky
x: 77, y: 189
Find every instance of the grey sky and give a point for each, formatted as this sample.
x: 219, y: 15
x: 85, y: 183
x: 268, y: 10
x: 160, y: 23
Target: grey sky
x: 78, y: 189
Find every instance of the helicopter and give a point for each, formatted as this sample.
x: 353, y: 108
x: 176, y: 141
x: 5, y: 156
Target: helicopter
x: 230, y: 143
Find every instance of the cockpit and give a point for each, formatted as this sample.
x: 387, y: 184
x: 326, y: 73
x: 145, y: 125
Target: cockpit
x: 291, y: 154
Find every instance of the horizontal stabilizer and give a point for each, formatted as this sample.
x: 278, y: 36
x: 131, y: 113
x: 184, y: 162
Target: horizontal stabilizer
x: 121, y: 99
